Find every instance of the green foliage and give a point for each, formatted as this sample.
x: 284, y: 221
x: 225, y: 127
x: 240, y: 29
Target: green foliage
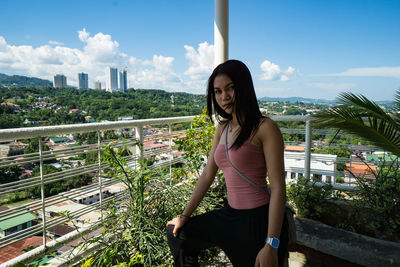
x: 309, y: 199
x: 377, y: 203
x: 20, y: 81
x: 33, y: 146
x: 9, y: 174
x: 197, y: 146
x: 198, y: 143
x: 99, y: 104
x: 134, y: 227
x: 54, y: 188
x: 358, y: 115
x: 8, y: 118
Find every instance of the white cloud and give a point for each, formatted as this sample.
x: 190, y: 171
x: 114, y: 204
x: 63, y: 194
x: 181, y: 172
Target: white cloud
x: 83, y: 35
x: 272, y: 71
x: 371, y: 72
x: 101, y: 51
x: 55, y: 43
x: 200, y: 61
x: 45, y: 61
x: 156, y: 74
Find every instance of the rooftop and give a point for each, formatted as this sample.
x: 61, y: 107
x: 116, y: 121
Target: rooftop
x: 17, y: 220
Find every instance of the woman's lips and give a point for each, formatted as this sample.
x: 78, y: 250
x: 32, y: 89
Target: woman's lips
x: 227, y: 105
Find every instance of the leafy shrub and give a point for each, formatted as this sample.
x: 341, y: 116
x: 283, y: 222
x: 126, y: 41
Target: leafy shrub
x: 378, y: 203
x: 134, y: 227
x: 309, y: 199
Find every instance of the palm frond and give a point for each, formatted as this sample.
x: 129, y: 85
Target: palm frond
x: 360, y: 116
x: 397, y: 100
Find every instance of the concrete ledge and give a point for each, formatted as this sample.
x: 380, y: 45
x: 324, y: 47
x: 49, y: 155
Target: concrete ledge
x: 346, y: 245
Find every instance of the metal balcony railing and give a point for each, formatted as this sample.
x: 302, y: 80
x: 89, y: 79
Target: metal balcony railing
x: 43, y: 207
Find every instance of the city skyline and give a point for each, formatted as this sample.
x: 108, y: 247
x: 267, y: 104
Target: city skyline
x: 312, y: 49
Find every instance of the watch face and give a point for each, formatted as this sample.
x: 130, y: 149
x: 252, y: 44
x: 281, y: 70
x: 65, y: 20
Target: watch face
x: 275, y: 243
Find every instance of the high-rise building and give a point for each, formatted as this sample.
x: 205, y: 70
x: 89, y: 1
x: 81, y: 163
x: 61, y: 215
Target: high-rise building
x: 60, y: 81
x: 83, y: 81
x: 97, y: 85
x: 111, y: 79
x: 123, y: 81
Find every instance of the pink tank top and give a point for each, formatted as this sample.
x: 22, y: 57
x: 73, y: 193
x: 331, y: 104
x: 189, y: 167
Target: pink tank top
x: 250, y: 161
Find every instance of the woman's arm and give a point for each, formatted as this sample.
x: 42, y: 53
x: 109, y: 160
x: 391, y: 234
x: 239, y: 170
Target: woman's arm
x: 203, y: 184
x: 272, y: 143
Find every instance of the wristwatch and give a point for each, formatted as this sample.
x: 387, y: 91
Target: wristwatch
x: 272, y: 241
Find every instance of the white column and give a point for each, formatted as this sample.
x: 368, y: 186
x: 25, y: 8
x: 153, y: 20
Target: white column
x: 307, y: 153
x: 221, y: 29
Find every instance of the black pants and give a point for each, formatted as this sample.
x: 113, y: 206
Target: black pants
x: 240, y: 234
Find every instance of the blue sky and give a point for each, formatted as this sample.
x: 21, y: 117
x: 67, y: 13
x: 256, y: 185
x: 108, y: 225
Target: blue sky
x: 308, y: 48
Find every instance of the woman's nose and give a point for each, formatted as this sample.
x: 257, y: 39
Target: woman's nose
x: 225, y: 95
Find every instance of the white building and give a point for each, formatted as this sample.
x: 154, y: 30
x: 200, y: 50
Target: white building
x: 123, y: 81
x: 322, y: 166
x: 111, y: 79
x: 60, y: 81
x: 83, y: 81
x: 97, y: 85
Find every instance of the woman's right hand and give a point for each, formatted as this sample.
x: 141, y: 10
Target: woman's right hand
x: 178, y: 222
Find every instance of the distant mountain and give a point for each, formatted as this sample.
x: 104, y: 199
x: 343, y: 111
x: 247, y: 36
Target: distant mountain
x: 315, y: 101
x: 297, y: 99
x: 22, y: 81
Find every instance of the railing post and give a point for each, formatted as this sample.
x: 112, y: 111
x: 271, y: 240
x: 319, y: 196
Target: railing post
x: 139, y: 137
x: 307, y: 160
x: 99, y: 173
x: 42, y: 192
x: 170, y: 150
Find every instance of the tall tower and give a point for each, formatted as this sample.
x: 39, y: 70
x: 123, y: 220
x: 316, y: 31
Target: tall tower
x: 60, y: 81
x: 83, y: 81
x: 111, y: 79
x: 123, y: 80
x: 97, y: 85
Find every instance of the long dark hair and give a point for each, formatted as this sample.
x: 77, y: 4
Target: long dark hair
x: 246, y: 106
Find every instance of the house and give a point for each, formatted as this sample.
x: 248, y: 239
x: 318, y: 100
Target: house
x: 60, y: 140
x: 322, y: 166
x: 11, y: 251
x: 295, y: 148
x: 16, y: 223
x: 359, y: 169
x: 12, y: 105
x: 152, y: 146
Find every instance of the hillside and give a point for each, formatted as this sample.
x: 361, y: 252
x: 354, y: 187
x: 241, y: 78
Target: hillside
x: 52, y: 106
x: 22, y: 81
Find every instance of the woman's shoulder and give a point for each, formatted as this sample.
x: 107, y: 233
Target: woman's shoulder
x: 221, y: 126
x: 268, y: 127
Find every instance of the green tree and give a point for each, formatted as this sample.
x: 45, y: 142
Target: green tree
x: 9, y: 174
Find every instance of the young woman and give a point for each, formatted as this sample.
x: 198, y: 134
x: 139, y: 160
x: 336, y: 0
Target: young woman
x: 250, y: 228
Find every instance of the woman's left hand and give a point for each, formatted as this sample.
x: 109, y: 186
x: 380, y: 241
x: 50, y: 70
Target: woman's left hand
x: 267, y: 257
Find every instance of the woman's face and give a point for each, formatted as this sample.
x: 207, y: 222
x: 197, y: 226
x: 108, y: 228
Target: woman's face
x: 224, y: 92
